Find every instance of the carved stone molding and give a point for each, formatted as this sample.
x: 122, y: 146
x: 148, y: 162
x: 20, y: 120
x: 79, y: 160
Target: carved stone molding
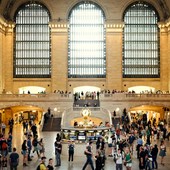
x: 112, y: 27
x: 6, y: 26
x: 59, y: 27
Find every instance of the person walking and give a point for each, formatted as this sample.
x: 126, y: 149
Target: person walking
x: 128, y: 159
x: 89, y: 154
x: 58, y: 150
x: 4, y: 150
x: 9, y: 142
x: 71, y: 151
x: 24, y: 152
x: 162, y: 152
x: 14, y: 160
x: 119, y: 160
x: 29, y: 145
x: 41, y: 147
x: 131, y: 141
x: 34, y: 130
x: 154, y: 153
x: 99, y: 160
x: 142, y: 160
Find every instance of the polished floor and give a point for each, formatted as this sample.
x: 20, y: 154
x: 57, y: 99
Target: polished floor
x: 79, y: 160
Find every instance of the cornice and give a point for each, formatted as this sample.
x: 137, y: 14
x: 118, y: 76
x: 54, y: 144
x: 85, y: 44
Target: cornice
x: 112, y: 27
x: 58, y: 26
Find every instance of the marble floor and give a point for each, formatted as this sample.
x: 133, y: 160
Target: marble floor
x: 79, y: 160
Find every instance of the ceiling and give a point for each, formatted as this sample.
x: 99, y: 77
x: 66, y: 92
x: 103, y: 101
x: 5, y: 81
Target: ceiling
x: 6, y: 6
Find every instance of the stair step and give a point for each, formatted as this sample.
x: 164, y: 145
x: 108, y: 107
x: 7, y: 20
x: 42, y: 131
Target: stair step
x: 53, y: 124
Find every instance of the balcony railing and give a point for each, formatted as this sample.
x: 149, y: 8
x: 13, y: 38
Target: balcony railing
x: 70, y: 97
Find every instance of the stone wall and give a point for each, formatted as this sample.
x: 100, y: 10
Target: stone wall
x: 59, y: 38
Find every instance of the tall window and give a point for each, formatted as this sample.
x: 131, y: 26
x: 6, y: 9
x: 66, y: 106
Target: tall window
x: 86, y: 48
x: 32, y: 49
x: 141, y: 56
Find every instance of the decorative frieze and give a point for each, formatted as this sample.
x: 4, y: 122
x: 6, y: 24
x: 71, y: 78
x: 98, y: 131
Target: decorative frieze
x: 58, y: 26
x: 112, y: 27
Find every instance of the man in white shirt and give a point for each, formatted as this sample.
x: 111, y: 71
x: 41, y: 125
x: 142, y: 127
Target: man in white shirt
x: 119, y: 160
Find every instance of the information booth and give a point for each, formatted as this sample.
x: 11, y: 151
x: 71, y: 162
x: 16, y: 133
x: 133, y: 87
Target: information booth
x: 83, y: 134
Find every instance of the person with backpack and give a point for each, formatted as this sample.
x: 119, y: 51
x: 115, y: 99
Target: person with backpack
x: 14, y: 160
x: 4, y: 150
x: 131, y: 141
x: 71, y: 151
x: 35, y: 144
x: 42, y: 165
x: 89, y: 154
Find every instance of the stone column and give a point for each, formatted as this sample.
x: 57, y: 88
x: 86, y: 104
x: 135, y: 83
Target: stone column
x: 59, y: 46
x: 114, y: 55
x: 164, y: 59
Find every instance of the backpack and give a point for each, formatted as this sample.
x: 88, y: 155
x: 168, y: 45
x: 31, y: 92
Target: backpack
x: 4, y: 146
x: 71, y: 147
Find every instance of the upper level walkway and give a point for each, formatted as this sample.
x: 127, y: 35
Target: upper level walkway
x: 65, y: 101
x: 69, y: 97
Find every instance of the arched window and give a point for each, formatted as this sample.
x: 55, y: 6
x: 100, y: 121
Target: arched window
x: 32, y: 42
x: 86, y: 47
x: 141, y: 42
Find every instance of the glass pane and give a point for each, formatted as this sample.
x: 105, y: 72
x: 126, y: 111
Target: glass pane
x: 141, y: 58
x: 32, y: 56
x: 86, y: 49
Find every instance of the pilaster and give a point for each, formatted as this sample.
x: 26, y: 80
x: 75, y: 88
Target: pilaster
x: 59, y: 47
x: 114, y: 55
x: 6, y: 53
x: 164, y: 59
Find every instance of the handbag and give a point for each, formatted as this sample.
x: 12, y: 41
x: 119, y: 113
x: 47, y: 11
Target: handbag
x: 39, y: 147
x: 125, y: 163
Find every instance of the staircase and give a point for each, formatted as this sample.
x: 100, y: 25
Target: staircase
x: 53, y: 124
x: 115, y: 121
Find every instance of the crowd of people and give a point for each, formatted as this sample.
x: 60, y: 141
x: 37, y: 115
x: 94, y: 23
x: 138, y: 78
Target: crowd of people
x: 86, y: 95
x: 142, y: 139
x: 123, y: 142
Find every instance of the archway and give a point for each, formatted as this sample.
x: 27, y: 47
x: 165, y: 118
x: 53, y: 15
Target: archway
x: 21, y: 113
x: 31, y: 89
x: 85, y: 89
x: 147, y: 112
x: 142, y: 89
